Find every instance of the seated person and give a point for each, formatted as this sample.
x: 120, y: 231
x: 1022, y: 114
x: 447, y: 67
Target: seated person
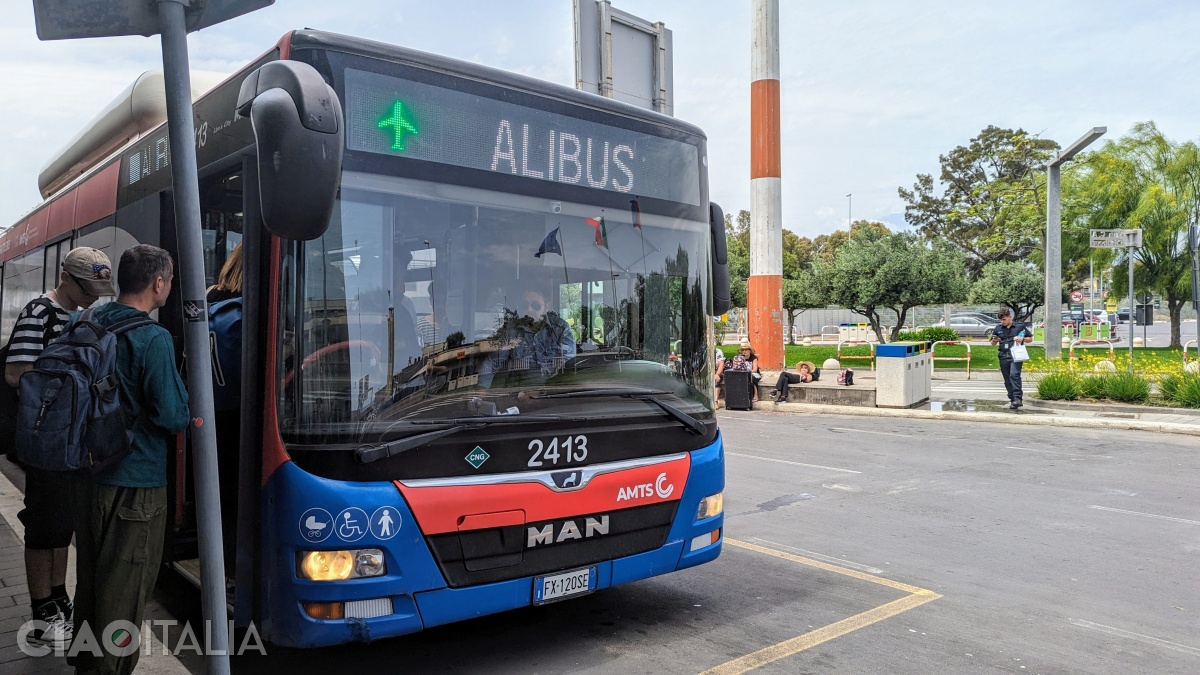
x: 805, y: 372
x: 538, y: 339
x: 746, y: 360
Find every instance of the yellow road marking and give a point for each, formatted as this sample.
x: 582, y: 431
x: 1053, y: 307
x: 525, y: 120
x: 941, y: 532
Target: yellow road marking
x: 917, y: 597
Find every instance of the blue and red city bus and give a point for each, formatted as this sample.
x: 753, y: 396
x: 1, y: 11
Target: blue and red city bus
x: 402, y: 460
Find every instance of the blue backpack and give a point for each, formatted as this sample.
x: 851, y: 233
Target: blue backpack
x: 225, y: 341
x: 69, y: 417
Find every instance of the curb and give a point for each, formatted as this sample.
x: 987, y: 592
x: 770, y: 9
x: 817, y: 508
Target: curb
x: 1111, y: 407
x: 1024, y: 420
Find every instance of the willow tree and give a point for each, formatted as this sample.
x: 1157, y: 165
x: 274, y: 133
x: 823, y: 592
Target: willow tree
x: 1143, y: 180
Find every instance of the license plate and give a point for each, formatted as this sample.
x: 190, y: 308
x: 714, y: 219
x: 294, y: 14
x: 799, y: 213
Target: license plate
x: 563, y: 585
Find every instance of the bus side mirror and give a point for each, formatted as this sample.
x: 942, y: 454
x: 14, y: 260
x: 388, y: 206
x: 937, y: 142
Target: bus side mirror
x: 720, y: 260
x: 298, y: 127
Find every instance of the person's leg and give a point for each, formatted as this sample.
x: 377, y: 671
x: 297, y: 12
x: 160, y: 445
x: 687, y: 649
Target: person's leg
x: 49, y: 526
x: 1015, y: 389
x: 88, y: 526
x: 1005, y: 374
x: 128, y: 560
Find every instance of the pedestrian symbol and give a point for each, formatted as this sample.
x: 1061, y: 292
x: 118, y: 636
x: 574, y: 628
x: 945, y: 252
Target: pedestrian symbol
x: 385, y: 523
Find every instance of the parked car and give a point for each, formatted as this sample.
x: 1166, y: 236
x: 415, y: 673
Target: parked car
x: 987, y: 318
x: 1099, y: 315
x: 970, y: 326
x: 1122, y: 315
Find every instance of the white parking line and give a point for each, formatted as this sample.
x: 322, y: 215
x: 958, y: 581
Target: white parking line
x: 877, y: 433
x: 1135, y: 636
x: 1146, y: 515
x: 784, y: 461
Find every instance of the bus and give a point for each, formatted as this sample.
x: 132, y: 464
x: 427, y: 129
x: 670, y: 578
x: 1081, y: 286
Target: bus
x: 400, y: 462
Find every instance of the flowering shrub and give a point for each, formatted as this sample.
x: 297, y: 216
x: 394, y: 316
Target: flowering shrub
x: 1061, y: 386
x: 1127, y: 387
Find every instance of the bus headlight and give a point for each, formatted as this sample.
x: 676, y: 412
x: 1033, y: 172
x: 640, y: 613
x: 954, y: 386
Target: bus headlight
x: 710, y: 506
x: 340, y: 565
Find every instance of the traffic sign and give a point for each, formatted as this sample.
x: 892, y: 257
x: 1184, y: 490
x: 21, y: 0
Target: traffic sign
x: 1117, y: 238
x: 1110, y: 305
x: 1077, y: 296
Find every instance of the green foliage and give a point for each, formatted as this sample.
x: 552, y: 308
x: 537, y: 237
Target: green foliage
x: 1188, y: 393
x: 1127, y: 387
x: 719, y: 329
x: 1168, y: 386
x: 1059, y: 387
x: 1093, y: 386
x: 895, y: 271
x: 992, y: 200
x: 1015, y: 285
x: 1181, y: 389
x: 1143, y: 180
x: 930, y: 334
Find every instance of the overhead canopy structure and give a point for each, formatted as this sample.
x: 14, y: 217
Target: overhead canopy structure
x: 135, y: 111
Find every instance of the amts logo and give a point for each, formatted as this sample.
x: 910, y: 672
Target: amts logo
x: 660, y: 487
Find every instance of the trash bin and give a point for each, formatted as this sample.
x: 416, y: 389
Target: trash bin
x: 903, y: 374
x: 737, y: 389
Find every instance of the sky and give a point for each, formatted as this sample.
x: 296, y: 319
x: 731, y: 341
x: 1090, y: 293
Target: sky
x: 873, y: 91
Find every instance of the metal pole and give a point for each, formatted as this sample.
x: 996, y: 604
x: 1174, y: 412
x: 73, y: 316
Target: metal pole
x: 1193, y: 246
x: 1053, y: 264
x: 849, y: 210
x: 1132, y: 321
x: 1091, y: 286
x: 177, y: 77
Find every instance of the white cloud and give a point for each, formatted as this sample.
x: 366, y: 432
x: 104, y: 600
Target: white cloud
x: 872, y: 91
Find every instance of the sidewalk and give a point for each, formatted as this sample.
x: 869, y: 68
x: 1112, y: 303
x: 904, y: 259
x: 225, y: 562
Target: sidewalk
x: 14, y: 599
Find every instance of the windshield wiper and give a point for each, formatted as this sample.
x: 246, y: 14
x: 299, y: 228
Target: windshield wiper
x: 370, y: 453
x: 693, y: 425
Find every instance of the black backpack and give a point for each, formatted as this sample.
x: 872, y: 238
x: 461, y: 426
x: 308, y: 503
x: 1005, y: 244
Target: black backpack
x: 8, y: 395
x: 70, y: 416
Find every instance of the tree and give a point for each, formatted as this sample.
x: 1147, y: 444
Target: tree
x: 1015, y: 285
x: 896, y: 272
x: 825, y: 246
x: 798, y: 295
x: 1145, y: 181
x: 992, y: 205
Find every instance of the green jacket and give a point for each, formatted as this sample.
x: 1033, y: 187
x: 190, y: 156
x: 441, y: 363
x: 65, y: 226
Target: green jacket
x: 150, y: 386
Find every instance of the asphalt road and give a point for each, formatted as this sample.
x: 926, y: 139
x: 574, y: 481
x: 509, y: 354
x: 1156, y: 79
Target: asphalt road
x: 881, y: 546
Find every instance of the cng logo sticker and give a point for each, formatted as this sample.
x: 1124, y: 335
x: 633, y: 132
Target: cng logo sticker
x: 477, y: 457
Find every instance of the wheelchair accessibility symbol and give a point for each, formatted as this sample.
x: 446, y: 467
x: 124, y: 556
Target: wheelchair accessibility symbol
x: 316, y: 525
x: 351, y: 524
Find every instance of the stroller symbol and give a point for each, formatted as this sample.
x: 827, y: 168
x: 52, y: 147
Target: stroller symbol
x: 314, y: 526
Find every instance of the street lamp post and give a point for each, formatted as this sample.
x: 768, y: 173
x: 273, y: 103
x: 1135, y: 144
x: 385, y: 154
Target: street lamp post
x: 849, y: 210
x: 1053, y: 299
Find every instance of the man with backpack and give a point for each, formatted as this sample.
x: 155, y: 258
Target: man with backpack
x: 49, y: 525
x: 120, y: 511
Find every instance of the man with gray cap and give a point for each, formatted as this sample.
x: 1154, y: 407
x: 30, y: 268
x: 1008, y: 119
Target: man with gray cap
x: 86, y: 275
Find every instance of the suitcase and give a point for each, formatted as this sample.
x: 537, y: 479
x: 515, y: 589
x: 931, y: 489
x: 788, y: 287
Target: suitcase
x: 737, y: 389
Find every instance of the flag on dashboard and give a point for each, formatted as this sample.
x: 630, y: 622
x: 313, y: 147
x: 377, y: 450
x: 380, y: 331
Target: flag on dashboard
x: 550, y: 244
x: 601, y: 232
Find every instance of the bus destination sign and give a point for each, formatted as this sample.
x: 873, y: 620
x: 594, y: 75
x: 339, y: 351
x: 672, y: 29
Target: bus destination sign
x: 393, y: 116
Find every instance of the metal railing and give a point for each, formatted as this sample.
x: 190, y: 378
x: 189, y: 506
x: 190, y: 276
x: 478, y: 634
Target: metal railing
x: 1112, y: 354
x: 856, y: 357
x: 935, y: 358
x: 835, y: 333
x: 1185, y: 348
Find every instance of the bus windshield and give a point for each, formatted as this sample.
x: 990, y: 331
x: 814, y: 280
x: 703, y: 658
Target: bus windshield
x: 428, y: 301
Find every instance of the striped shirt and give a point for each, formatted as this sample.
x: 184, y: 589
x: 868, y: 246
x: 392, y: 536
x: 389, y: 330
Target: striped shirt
x: 37, y: 325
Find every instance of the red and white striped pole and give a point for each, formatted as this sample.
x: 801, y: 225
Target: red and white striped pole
x: 765, y: 290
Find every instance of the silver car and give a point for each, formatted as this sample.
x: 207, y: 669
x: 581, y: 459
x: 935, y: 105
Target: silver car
x: 971, y: 326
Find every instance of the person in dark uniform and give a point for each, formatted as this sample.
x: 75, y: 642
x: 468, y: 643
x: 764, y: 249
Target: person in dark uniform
x: 1006, y: 335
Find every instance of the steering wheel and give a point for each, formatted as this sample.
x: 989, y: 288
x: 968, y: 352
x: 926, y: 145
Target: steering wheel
x: 344, y: 346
